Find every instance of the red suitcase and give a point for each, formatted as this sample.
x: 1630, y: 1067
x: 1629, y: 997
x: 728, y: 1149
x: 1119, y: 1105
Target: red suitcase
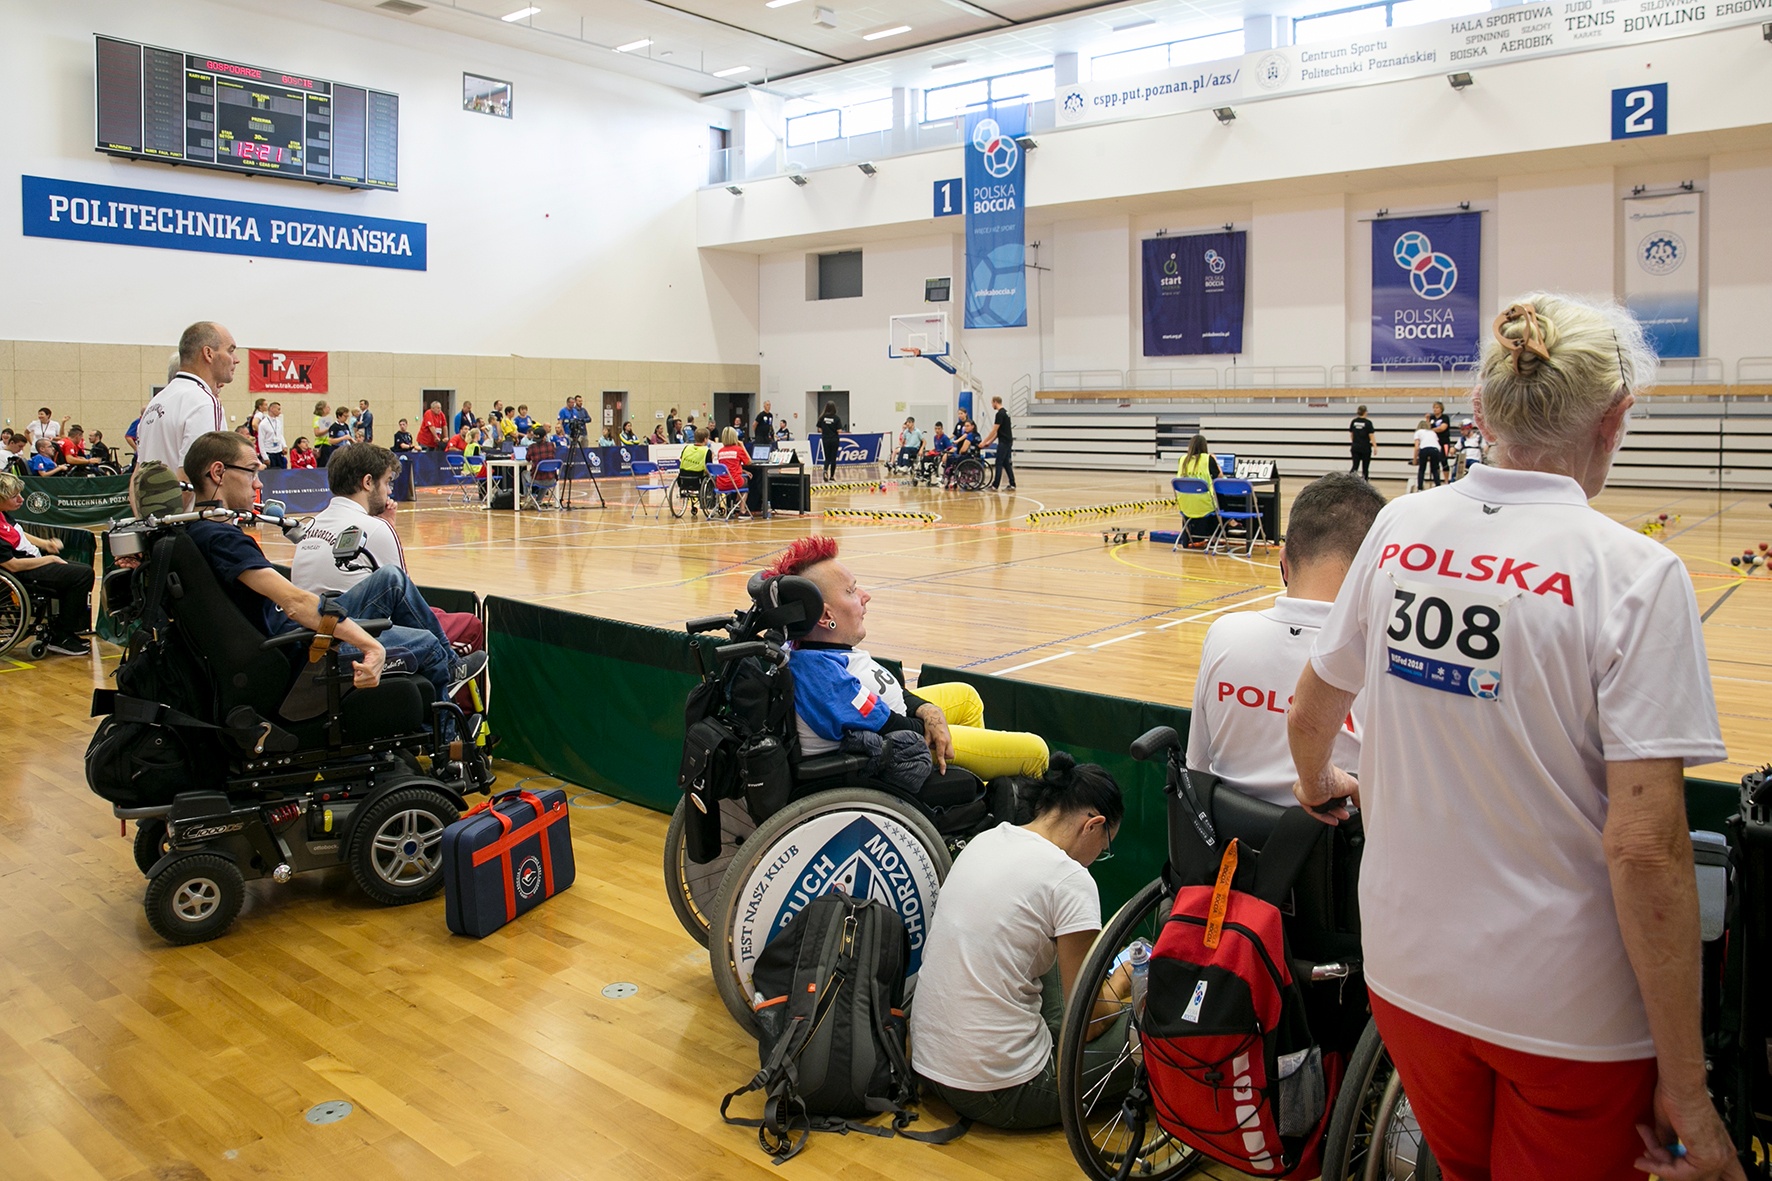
x: 504, y: 858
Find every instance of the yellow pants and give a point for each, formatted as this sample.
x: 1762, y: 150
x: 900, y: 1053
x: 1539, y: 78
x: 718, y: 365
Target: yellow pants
x: 985, y: 753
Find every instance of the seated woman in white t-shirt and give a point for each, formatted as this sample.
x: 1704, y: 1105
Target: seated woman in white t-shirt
x: 1018, y: 914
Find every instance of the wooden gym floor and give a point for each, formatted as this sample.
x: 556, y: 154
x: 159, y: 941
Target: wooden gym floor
x: 122, y: 1058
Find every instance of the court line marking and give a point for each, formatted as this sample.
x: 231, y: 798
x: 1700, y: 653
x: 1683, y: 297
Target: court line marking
x: 1721, y: 599
x: 1216, y: 610
x: 1032, y: 663
x: 1117, y: 639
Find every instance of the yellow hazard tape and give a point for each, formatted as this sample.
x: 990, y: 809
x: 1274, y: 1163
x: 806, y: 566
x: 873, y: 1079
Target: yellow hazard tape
x: 865, y: 486
x: 862, y: 514
x: 1099, y: 510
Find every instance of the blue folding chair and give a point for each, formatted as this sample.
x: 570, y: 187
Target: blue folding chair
x: 1248, y: 515
x: 464, y: 482
x: 1188, y: 486
x: 645, y: 482
x: 542, y: 481
x: 730, y: 498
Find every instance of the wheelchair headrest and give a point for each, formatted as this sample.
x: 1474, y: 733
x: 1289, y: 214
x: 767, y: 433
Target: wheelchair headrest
x: 787, y: 601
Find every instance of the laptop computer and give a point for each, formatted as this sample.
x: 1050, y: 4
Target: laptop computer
x: 761, y: 453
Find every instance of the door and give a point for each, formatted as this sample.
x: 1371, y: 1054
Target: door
x: 726, y: 406
x: 815, y: 404
x: 425, y: 398
x: 614, y: 413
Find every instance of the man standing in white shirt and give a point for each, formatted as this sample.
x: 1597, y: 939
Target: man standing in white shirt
x: 1250, y: 661
x: 189, y: 405
x: 270, y: 436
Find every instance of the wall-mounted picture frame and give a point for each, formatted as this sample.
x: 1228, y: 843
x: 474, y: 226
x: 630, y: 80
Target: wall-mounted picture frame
x: 485, y: 96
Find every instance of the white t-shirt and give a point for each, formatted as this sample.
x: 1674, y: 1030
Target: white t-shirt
x: 313, y: 569
x: 270, y: 434
x: 39, y: 430
x: 1249, y: 667
x: 1427, y: 439
x: 976, y: 1023
x: 1503, y: 614
x: 183, y: 409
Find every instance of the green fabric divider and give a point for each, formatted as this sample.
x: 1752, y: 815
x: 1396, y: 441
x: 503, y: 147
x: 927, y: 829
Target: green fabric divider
x: 74, y: 500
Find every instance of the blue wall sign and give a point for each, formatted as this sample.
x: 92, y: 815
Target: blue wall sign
x: 950, y: 197
x: 996, y: 237
x: 1425, y: 275
x: 82, y: 212
x: 1639, y: 110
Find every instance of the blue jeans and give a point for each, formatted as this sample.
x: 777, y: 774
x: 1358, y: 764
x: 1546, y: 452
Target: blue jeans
x: 390, y: 594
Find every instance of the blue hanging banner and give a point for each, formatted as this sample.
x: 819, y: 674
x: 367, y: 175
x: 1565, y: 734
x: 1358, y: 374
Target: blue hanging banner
x: 1424, y: 290
x: 996, y: 173
x: 1664, y: 237
x: 172, y: 221
x: 1193, y: 294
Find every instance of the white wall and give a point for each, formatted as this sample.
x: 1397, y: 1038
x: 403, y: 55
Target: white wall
x: 568, y: 231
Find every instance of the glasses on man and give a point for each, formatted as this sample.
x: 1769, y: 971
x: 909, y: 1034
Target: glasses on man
x: 254, y: 470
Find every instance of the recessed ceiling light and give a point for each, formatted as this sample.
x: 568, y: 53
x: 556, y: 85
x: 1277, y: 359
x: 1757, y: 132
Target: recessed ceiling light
x: 952, y: 61
x: 642, y: 43
x: 780, y: 3
x: 731, y: 70
x: 1139, y: 24
x: 892, y: 32
x: 521, y: 13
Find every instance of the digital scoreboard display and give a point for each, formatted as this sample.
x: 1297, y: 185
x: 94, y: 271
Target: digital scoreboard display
x: 184, y: 108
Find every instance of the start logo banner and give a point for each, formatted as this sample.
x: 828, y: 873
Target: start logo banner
x: 1424, y: 290
x: 81, y: 212
x: 1193, y: 294
x: 286, y: 372
x: 996, y: 235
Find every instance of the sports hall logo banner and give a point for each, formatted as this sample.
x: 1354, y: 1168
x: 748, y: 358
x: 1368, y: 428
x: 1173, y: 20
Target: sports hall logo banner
x: 996, y: 238
x: 851, y: 448
x: 81, y: 212
x: 285, y: 371
x: 1424, y: 290
x: 1480, y: 39
x: 1662, y: 236
x: 1193, y: 294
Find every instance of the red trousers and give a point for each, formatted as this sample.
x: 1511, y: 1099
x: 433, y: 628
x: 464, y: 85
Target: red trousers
x: 1490, y: 1112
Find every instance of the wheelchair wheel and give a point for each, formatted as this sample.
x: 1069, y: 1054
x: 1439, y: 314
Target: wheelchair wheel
x: 396, y: 848
x: 856, y: 839
x: 692, y: 888
x: 970, y: 474
x: 195, y: 898
x: 1372, y: 1131
x: 150, y: 843
x: 678, y: 502
x: 1093, y: 1079
x: 710, y: 498
x: 15, y: 611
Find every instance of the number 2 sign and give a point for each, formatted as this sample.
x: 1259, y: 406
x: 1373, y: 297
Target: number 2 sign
x: 1639, y: 110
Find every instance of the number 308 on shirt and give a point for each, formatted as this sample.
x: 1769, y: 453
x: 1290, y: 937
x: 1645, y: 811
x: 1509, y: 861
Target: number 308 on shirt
x: 1447, y: 637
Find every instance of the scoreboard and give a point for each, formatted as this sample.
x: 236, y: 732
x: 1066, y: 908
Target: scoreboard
x: 185, y: 108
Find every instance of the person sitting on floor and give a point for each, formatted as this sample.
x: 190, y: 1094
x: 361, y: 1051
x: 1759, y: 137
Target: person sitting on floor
x: 37, y: 562
x: 1250, y: 660
x: 839, y: 688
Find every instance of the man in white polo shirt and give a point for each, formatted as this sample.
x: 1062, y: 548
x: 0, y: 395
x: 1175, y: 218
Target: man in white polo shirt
x: 189, y: 405
x: 1250, y: 661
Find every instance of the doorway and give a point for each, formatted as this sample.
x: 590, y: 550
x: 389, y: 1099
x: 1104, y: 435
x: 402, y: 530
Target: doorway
x: 815, y: 404
x: 426, y: 397
x: 727, y: 405
x: 613, y: 402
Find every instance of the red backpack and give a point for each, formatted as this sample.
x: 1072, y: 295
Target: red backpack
x: 1234, y: 1071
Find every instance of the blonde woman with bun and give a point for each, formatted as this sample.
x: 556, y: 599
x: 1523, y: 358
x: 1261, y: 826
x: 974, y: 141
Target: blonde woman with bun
x: 1529, y: 912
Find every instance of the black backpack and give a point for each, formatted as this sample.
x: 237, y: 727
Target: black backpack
x: 833, y: 1028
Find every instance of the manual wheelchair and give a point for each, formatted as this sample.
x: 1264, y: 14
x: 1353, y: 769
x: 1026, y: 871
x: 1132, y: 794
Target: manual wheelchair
x: 240, y: 757
x: 737, y: 829
x: 24, y: 611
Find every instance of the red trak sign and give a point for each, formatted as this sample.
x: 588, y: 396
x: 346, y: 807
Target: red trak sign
x: 285, y: 372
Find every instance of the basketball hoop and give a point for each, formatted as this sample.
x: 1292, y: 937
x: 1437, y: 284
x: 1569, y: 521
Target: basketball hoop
x: 913, y: 352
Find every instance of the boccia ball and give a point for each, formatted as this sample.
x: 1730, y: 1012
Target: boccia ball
x: 1664, y: 516
x: 1734, y: 561
x: 1759, y: 559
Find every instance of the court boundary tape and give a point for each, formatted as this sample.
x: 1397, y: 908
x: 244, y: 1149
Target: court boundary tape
x: 1100, y: 510
x: 858, y: 486
x: 866, y: 514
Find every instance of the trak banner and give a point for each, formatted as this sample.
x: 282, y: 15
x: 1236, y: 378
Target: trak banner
x: 1424, y: 290
x: 76, y: 501
x: 172, y: 221
x: 288, y: 372
x: 996, y: 174
x: 1193, y: 294
x: 1662, y: 236
x: 1476, y: 40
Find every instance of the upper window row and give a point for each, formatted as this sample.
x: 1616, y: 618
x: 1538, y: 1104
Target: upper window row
x: 1366, y: 18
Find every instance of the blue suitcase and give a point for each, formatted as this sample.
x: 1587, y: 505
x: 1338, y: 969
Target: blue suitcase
x: 504, y: 858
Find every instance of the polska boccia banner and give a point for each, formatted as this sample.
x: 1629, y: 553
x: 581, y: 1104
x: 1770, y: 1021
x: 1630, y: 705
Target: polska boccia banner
x: 1193, y: 294
x: 1424, y: 290
x: 996, y: 237
x: 81, y: 212
x: 1662, y: 239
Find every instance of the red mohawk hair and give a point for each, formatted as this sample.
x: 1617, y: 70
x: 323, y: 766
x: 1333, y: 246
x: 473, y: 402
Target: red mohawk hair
x: 804, y: 552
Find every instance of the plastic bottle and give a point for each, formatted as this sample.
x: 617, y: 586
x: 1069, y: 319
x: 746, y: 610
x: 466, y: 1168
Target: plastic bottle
x: 1139, y: 958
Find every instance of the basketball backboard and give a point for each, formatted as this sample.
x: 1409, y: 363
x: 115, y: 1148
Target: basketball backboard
x: 921, y: 334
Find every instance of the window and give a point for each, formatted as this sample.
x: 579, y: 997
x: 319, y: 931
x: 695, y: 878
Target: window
x: 947, y: 102
x: 1420, y: 12
x: 811, y: 129
x: 839, y: 275
x: 1150, y: 58
x: 1367, y: 18
x: 866, y: 117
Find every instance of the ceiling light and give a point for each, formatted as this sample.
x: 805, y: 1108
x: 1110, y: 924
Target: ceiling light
x: 642, y: 43
x: 952, y: 61
x: 731, y: 70
x: 735, y: 190
x: 521, y: 13
x: 1460, y: 81
x: 1135, y: 24
x: 1026, y: 143
x: 780, y: 3
x: 892, y: 32
x: 1224, y: 115
x: 867, y: 168
x: 825, y: 16
x: 797, y: 179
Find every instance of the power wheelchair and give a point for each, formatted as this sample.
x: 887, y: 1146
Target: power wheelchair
x: 240, y: 757
x: 1371, y: 1130
x: 754, y: 806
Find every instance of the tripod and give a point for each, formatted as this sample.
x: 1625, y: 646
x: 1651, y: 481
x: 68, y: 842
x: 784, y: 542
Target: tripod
x: 575, y: 450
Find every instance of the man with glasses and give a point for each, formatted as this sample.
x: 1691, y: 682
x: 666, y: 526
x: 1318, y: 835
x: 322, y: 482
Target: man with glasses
x: 224, y: 468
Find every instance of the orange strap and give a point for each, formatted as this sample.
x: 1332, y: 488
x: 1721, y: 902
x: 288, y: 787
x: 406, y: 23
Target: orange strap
x: 322, y: 639
x: 1221, y: 895
x: 516, y: 835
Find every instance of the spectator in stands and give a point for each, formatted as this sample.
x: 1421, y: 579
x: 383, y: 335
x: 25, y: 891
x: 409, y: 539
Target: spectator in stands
x: 1470, y: 447
x: 523, y: 422
x: 403, y: 438
x: 432, y: 427
x: 1362, y: 437
x: 322, y: 422
x: 13, y: 456
x: 190, y: 402
x: 1428, y: 455
x: 46, y: 462
x: 627, y: 437
x: 658, y: 435
x: 1251, y: 660
x: 45, y: 427
x: 1200, y: 508
x: 365, y: 421
x: 270, y: 437
x: 540, y: 448
x: 72, y: 451
x: 99, y: 451
x: 303, y: 455
x: 37, y: 562
x: 252, y: 420
x: 688, y: 428
x: 464, y: 417
x: 673, y: 426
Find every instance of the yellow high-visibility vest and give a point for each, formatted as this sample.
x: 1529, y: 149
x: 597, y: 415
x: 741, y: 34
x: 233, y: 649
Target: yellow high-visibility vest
x: 1199, y: 504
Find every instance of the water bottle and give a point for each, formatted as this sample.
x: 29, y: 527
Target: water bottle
x: 1139, y: 957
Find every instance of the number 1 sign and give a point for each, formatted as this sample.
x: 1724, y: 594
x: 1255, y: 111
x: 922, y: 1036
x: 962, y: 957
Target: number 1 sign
x: 1639, y: 110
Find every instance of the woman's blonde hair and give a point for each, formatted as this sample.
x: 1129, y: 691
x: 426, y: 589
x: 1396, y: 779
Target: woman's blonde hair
x: 1555, y: 365
x: 728, y: 437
